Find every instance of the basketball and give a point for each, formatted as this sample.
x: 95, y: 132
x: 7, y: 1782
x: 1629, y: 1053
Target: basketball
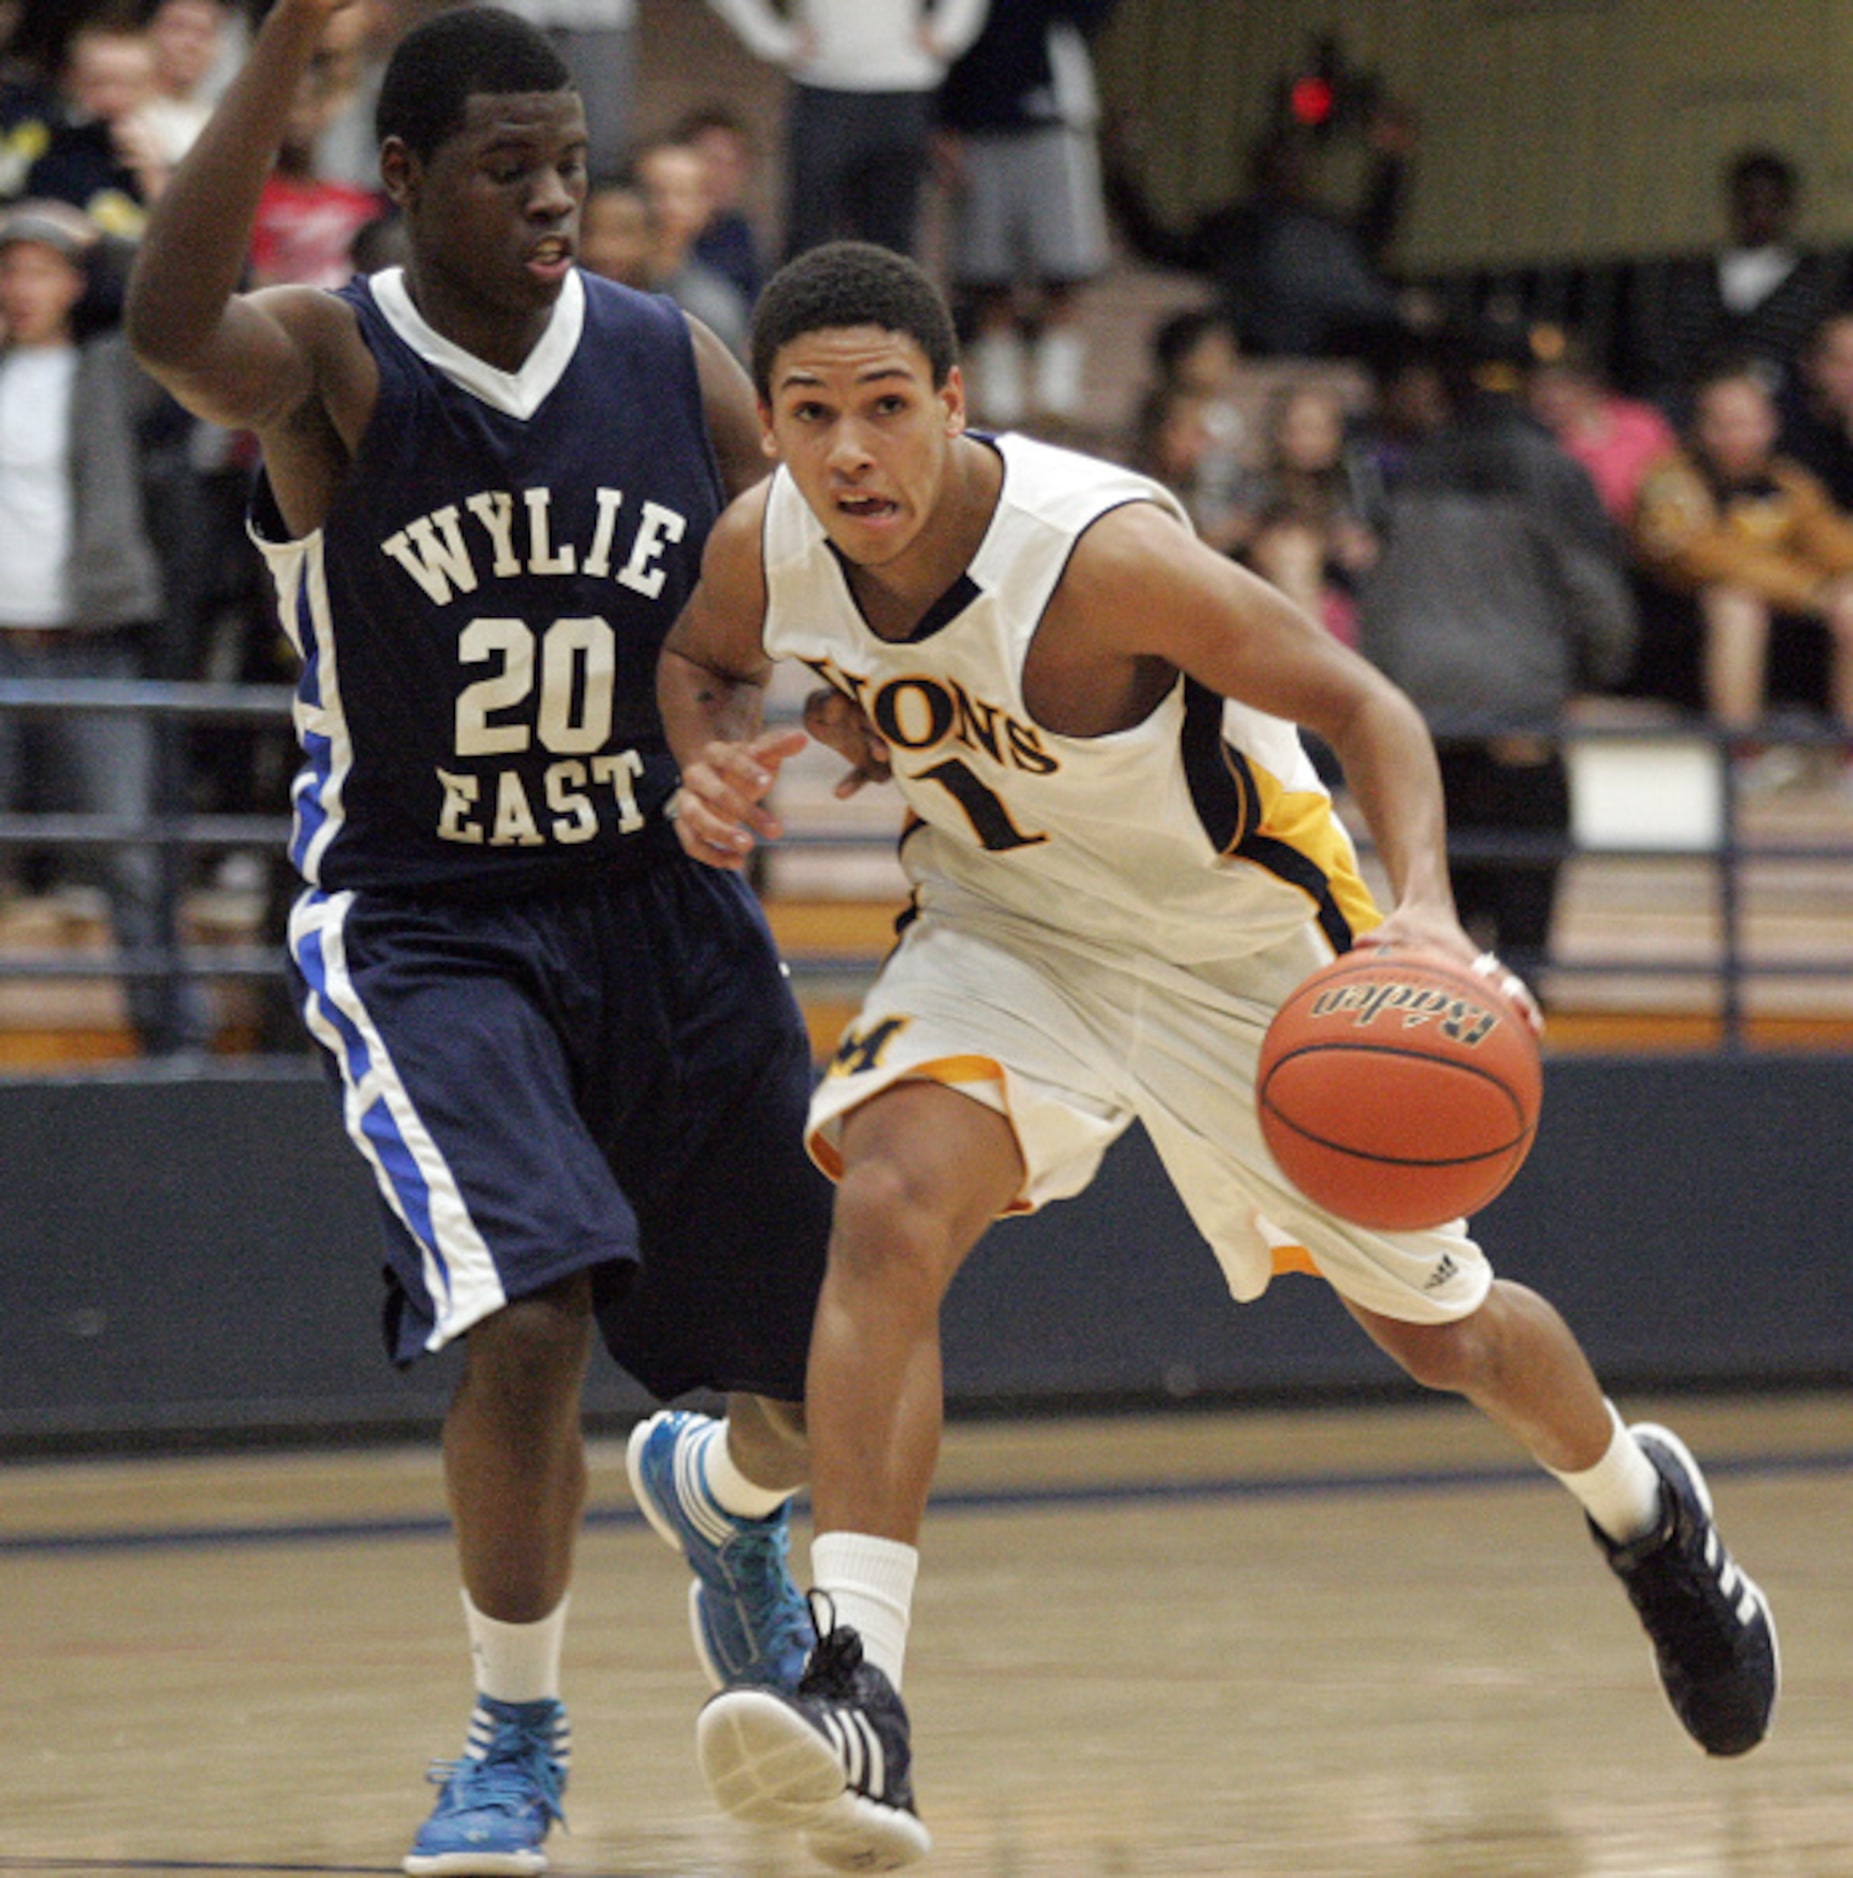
x: 1399, y: 1088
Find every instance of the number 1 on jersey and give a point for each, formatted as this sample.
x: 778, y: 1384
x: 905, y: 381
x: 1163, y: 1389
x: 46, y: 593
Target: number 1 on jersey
x: 982, y: 807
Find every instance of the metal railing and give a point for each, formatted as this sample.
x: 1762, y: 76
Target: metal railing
x: 1678, y: 757
x: 168, y: 828
x: 1688, y: 802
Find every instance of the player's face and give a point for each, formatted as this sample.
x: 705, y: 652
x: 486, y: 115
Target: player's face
x: 866, y: 434
x: 494, y: 214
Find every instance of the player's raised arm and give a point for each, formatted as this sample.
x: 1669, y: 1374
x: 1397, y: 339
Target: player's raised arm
x: 711, y: 688
x: 235, y: 360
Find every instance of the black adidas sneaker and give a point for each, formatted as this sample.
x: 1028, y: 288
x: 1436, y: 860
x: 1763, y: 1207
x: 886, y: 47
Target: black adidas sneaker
x: 1714, y: 1639
x: 831, y: 1761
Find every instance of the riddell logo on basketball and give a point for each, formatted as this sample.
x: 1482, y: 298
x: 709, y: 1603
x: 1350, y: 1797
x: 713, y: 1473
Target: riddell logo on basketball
x: 1465, y: 1023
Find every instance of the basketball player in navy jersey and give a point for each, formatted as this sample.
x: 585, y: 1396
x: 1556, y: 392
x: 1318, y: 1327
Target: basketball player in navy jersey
x: 567, y: 1052
x: 1122, y: 862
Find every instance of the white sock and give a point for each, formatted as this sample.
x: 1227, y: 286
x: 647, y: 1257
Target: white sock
x: 728, y: 1488
x: 1622, y: 1492
x: 516, y: 1662
x: 871, y: 1585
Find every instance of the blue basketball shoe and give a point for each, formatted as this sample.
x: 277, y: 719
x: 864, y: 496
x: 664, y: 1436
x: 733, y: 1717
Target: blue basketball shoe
x: 750, y: 1624
x: 499, y: 1800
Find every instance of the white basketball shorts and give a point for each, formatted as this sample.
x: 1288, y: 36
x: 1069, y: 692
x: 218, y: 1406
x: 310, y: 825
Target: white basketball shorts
x: 1073, y: 1048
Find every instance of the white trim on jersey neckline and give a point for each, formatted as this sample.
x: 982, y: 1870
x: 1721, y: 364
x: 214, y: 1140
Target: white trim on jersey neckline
x: 518, y: 394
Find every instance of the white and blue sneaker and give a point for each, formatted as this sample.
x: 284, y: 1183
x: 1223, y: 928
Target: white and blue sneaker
x: 499, y: 1800
x: 751, y: 1626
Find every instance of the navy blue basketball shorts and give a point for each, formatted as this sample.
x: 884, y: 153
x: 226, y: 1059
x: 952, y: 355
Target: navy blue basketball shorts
x: 612, y: 1078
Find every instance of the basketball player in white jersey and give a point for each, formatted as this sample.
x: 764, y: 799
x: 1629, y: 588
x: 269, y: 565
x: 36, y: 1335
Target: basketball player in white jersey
x: 1121, y: 860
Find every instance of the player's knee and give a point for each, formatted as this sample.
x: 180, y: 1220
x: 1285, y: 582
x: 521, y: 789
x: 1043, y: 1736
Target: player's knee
x: 535, y: 1345
x: 1453, y: 1358
x: 887, y: 1229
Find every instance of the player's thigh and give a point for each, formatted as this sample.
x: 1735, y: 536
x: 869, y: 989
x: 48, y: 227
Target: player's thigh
x: 996, y: 1024
x: 456, y: 1090
x: 926, y: 1169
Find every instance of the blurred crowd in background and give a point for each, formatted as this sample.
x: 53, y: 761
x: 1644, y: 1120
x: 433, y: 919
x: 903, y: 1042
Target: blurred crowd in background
x: 1505, y: 514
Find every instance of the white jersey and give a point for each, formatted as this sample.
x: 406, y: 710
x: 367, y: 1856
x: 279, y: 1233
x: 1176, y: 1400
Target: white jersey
x: 1201, y: 833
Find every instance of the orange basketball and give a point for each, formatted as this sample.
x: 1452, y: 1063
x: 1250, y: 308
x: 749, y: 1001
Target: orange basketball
x: 1399, y: 1088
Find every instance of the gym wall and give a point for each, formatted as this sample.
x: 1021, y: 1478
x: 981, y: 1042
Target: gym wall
x: 189, y: 1259
x: 1551, y: 130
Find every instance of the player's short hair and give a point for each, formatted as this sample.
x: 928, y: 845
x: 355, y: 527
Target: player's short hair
x: 851, y: 283
x: 452, y: 57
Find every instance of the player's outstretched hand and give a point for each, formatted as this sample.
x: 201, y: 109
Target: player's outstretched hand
x: 719, y: 812
x: 843, y: 726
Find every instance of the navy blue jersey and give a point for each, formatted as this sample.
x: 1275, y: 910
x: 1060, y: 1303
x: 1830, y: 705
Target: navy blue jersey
x: 480, y: 615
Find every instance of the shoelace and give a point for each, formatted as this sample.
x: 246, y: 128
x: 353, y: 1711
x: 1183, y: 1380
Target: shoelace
x: 832, y: 1668
x: 758, y: 1554
x: 517, y: 1770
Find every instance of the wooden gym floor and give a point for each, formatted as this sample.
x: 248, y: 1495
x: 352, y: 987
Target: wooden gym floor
x: 1283, y: 1644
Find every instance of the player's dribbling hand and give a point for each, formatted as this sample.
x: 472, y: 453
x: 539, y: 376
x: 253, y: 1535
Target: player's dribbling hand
x: 719, y: 813
x: 1450, y: 937
x: 843, y: 726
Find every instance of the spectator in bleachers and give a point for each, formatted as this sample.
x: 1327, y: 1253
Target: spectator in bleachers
x: 1197, y: 347
x: 615, y: 237
x: 674, y: 180
x: 1760, y: 560
x: 82, y: 594
x: 1018, y: 113
x: 101, y: 157
x: 1195, y: 353
x: 1498, y: 595
x: 1408, y: 402
x: 349, y: 151
x: 1296, y: 276
x: 1614, y: 437
x: 728, y: 242
x: 1817, y: 421
x: 303, y: 232
x: 1758, y: 297
x: 864, y: 77
x: 1302, y: 524
x: 185, y: 36
x: 1174, y: 443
